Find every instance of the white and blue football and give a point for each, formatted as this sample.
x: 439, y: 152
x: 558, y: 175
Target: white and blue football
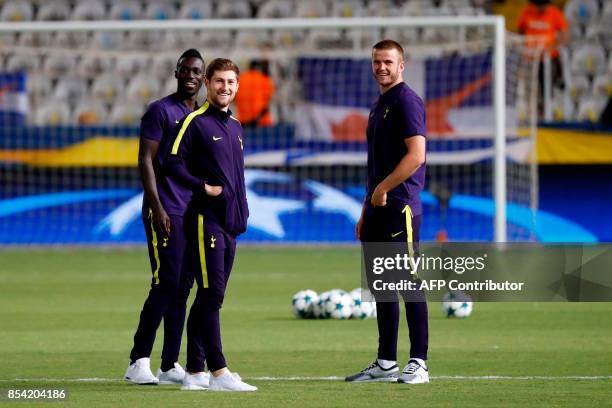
x: 457, y: 304
x: 303, y: 303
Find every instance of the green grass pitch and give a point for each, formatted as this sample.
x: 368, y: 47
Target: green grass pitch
x: 70, y: 314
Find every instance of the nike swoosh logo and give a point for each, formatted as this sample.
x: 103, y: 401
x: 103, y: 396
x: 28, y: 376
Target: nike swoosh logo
x: 396, y: 234
x: 217, y: 138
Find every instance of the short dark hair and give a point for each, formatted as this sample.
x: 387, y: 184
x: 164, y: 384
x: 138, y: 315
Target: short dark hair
x: 389, y: 45
x: 221, y: 64
x: 190, y: 53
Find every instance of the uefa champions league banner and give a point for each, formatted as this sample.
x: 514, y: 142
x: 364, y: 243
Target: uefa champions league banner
x: 457, y: 91
x: 79, y: 185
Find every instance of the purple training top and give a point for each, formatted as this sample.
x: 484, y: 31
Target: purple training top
x: 208, y: 148
x: 158, y: 124
x: 397, y: 115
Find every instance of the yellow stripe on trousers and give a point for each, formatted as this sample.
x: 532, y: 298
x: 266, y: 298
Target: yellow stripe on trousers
x: 408, y: 211
x: 155, y: 253
x: 409, y: 241
x: 202, y: 249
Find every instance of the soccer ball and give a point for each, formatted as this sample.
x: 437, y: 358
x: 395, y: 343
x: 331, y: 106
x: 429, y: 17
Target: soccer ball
x: 303, y: 303
x: 339, y: 305
x: 457, y: 304
x: 319, y: 311
x: 361, y: 309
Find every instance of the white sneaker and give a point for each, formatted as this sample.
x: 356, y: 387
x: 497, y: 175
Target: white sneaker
x: 374, y: 372
x: 414, y: 373
x: 196, y: 382
x: 172, y: 376
x: 228, y: 382
x: 140, y: 372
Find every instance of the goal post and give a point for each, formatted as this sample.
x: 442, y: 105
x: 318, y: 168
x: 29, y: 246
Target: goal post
x: 460, y: 167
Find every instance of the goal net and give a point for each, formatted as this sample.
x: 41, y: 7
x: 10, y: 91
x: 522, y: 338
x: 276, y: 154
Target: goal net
x: 73, y: 95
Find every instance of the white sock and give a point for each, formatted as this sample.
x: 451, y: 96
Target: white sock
x: 420, y: 361
x: 386, y: 364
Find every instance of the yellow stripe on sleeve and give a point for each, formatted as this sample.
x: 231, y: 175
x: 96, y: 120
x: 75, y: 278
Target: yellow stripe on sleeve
x: 155, y: 253
x: 202, y: 250
x: 186, y: 122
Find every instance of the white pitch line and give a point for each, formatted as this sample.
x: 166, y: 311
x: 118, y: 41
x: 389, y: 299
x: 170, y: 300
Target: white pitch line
x: 332, y: 378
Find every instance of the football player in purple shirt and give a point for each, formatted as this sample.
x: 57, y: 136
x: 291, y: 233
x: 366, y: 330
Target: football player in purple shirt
x: 392, y: 208
x: 164, y: 206
x: 206, y: 156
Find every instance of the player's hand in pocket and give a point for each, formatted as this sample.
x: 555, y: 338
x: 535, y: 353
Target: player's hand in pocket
x: 213, y: 191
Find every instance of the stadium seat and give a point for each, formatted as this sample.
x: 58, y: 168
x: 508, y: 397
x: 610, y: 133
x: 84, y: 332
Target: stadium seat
x: 52, y: 112
x: 169, y: 86
x: 589, y: 109
x: 562, y: 107
x: 414, y: 8
x: 382, y: 8
x: 606, y: 13
x: 58, y: 65
x: 89, y: 112
x: 276, y: 9
x: 8, y: 39
x: 108, y: 40
x: 366, y: 38
x: 159, y: 10
x: 234, y: 9
x: 70, y: 88
x: 347, y: 8
x: 89, y: 10
x: 602, y: 85
x: 285, y: 99
x: 468, y: 11
x: 438, y: 35
x: 195, y: 10
x: 92, y: 66
x: 592, y: 33
x: 576, y: 33
x: 327, y: 38
x: 23, y: 61
x: 579, y: 86
x: 128, y: 66
x: 255, y: 39
x: 163, y: 66
x: 288, y: 39
x: 144, y: 40
x: 32, y: 39
x: 312, y: 9
x: 204, y: 40
x: 588, y: 59
x: 71, y: 39
x: 581, y: 12
x: 108, y: 87
x: 123, y: 113
x: 405, y: 36
x: 39, y: 86
x: 142, y: 90
x: 126, y: 10
x: 461, y: 5
x: 56, y: 10
x: 17, y: 11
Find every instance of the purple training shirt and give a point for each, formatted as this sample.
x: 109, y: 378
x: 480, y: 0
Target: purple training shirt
x: 397, y: 115
x: 159, y: 124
